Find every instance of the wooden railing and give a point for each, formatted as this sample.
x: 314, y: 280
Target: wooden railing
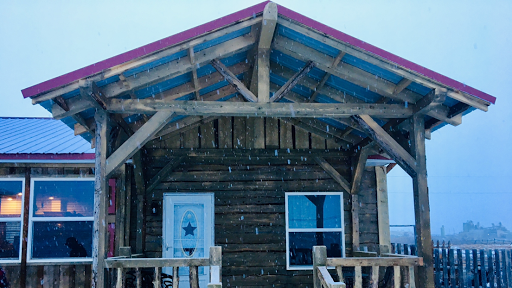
x: 322, y: 277
x: 214, y: 263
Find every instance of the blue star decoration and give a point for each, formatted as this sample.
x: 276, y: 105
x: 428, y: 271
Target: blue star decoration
x: 189, y: 230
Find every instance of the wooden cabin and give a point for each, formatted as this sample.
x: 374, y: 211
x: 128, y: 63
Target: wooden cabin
x: 263, y: 133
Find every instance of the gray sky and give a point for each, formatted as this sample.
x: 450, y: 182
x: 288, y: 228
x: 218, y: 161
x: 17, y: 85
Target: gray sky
x: 469, y: 169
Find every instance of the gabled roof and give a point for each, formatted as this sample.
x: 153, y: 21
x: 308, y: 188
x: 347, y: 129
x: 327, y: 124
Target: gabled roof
x: 163, y: 70
x: 40, y: 139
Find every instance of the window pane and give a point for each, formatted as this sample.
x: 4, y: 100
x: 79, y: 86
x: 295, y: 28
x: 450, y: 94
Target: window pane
x: 63, y: 198
x: 62, y: 239
x: 10, y: 240
x: 314, y: 211
x: 10, y: 198
x: 301, y: 245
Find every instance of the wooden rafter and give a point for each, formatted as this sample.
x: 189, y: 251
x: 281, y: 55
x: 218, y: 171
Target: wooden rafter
x: 138, y: 139
x: 400, y: 86
x: 388, y: 65
x: 248, y: 109
x: 292, y: 82
x: 334, y: 174
x: 268, y: 26
x: 359, y: 167
x: 386, y: 142
x: 233, y: 80
x: 192, y: 59
x: 326, y: 77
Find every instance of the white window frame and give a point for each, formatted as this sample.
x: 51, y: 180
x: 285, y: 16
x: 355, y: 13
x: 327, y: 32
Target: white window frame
x: 16, y: 219
x: 288, y: 230
x: 52, y: 219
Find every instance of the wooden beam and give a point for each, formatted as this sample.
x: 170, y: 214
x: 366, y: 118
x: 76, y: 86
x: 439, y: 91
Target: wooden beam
x: 233, y: 80
x: 192, y: 59
x: 248, y: 109
x: 376, y: 261
x: 383, y: 210
x: 292, y: 82
x: 99, y: 244
x: 359, y: 167
x: 400, y: 86
x: 430, y: 101
x: 421, y: 203
x: 246, y: 153
x: 168, y: 168
x: 74, y: 105
x: 140, y: 186
x: 386, y: 142
x: 384, y: 63
x: 326, y: 77
x: 354, y: 212
x: 268, y: 26
x: 333, y: 173
x: 138, y: 140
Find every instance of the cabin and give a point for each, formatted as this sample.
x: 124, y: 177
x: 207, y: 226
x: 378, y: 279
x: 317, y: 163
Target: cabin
x: 253, y: 151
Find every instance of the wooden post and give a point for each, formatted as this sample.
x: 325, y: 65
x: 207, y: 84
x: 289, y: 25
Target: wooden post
x: 355, y: 222
x: 120, y: 209
x: 138, y: 172
x: 374, y: 279
x: 99, y: 251
x: 175, y: 277
x: 319, y: 259
x: 421, y: 203
x: 383, y: 210
x: 193, y: 277
x: 24, y: 236
x: 216, y: 265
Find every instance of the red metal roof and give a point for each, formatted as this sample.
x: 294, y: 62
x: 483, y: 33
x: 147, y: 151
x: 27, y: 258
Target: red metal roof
x: 238, y: 16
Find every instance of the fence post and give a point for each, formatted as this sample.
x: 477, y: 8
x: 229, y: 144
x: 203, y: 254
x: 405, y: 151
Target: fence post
x: 498, y: 267
x: 491, y: 268
x: 460, y: 267
x: 505, y: 269
x: 451, y: 263
x: 468, y: 269
x: 483, y: 271
x: 319, y: 259
x: 475, y: 268
x: 437, y: 268
x: 445, y: 268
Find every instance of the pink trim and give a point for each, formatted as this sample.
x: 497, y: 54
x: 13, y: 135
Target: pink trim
x: 141, y: 51
x: 40, y: 156
x: 237, y: 16
x: 384, y: 54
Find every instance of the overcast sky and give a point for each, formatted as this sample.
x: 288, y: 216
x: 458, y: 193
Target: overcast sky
x: 469, y: 165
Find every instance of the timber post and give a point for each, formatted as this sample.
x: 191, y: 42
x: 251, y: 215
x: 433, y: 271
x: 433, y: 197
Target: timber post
x: 215, y: 267
x: 100, y: 193
x: 319, y: 259
x: 421, y: 203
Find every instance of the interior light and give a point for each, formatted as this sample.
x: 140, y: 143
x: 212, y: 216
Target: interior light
x: 51, y: 198
x: 19, y: 194
x: 10, y: 199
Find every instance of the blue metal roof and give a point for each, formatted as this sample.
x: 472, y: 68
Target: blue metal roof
x: 39, y: 136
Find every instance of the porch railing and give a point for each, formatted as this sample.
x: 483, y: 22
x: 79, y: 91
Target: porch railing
x: 322, y: 277
x: 214, y: 263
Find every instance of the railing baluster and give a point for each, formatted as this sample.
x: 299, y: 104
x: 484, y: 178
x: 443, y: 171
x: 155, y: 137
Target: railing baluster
x: 498, y: 268
x: 374, y: 282
x: 483, y: 270
x: 396, y: 277
x: 158, y: 277
x: 475, y: 268
x: 437, y: 268
x: 358, y: 278
x: 193, y: 277
x: 339, y: 270
x: 412, y: 278
x: 445, y: 268
x: 491, y: 268
x: 460, y: 268
x: 175, y: 277
x: 138, y: 278
x: 119, y: 276
x: 505, y: 268
x: 468, y: 269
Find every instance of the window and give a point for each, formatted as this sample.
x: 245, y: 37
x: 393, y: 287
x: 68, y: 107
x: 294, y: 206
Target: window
x: 11, y: 201
x: 313, y: 219
x: 61, y: 218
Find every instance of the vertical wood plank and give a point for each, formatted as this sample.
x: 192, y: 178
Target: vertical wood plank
x: 475, y: 268
x: 173, y: 142
x: 374, y: 277
x: 490, y: 266
x: 191, y: 138
x: 412, y: 279
x: 319, y: 259
x: 483, y: 268
x: 460, y: 268
x: 138, y: 278
x: 88, y: 276
x: 158, y: 277
x: 208, y: 136
x: 13, y: 275
x: 383, y: 210
x: 48, y: 276
x: 271, y: 133
x: 468, y: 269
x: 451, y: 263
x: 317, y: 142
x: 331, y: 144
x: 140, y: 186
x: 33, y: 280
x: 239, y: 127
x: 339, y: 271
x: 285, y: 135
x: 225, y: 133
x: 99, y: 247
x: 421, y: 202
x: 120, y: 209
x: 193, y: 277
x: 175, y: 277
x: 119, y: 278
x: 64, y: 275
x: 301, y: 138
x: 355, y: 222
x: 396, y: 277
x: 358, y: 278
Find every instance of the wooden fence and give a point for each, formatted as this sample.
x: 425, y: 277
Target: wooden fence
x: 467, y: 268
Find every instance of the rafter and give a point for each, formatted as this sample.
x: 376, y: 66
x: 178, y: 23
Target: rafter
x: 386, y: 142
x: 435, y: 98
x: 268, y: 26
x: 192, y: 59
x: 400, y: 86
x: 388, y: 65
x: 233, y: 80
x: 334, y: 174
x: 326, y: 77
x: 292, y: 82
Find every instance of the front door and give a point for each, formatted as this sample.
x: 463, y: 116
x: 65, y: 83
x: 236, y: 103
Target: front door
x: 188, y: 225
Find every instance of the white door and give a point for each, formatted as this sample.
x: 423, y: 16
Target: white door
x: 188, y: 225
